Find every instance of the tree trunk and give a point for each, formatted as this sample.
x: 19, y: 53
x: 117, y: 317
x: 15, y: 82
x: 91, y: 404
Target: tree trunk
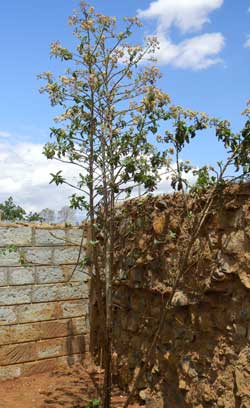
x: 107, y: 386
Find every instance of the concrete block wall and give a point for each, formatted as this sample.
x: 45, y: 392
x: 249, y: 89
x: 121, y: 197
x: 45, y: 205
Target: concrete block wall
x: 43, y: 304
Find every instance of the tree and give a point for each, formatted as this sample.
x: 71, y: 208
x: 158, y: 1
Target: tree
x: 111, y: 107
x: 34, y: 217
x: 47, y: 215
x: 66, y: 214
x: 11, y: 212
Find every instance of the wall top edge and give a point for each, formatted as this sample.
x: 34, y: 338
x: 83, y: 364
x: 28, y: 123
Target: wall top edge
x: 42, y: 225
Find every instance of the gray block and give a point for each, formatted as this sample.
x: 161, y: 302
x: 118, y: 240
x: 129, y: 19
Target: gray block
x: 15, y: 295
x: 21, y: 236
x: 21, y: 276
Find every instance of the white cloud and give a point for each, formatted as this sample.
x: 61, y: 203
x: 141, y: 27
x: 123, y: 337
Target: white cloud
x: 184, y: 14
x: 247, y: 42
x: 25, y: 175
x: 4, y: 134
x: 197, y: 52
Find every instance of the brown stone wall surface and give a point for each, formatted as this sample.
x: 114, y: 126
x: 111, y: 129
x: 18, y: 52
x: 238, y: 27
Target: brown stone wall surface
x: 43, y: 301
x: 202, y: 357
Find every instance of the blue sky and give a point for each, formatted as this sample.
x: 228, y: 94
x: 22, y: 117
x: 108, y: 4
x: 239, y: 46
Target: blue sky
x: 205, y: 60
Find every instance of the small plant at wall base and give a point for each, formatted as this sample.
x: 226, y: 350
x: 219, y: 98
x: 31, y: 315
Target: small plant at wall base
x: 95, y: 403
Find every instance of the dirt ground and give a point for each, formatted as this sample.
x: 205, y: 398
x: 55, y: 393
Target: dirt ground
x: 71, y: 388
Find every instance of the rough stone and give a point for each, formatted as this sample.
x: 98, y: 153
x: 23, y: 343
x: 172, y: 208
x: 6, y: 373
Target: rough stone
x: 240, y: 330
x: 152, y: 400
x: 233, y: 243
x: 242, y: 373
x: 180, y: 299
x: 159, y: 222
x: 230, y: 219
x: 245, y: 278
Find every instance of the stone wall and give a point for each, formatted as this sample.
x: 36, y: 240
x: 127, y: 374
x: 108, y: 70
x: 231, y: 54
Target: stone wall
x: 202, y: 357
x: 43, y: 304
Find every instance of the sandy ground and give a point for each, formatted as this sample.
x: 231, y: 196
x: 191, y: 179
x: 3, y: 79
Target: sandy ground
x: 72, y: 388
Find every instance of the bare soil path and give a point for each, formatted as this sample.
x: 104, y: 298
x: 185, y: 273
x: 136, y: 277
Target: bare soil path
x: 71, y: 388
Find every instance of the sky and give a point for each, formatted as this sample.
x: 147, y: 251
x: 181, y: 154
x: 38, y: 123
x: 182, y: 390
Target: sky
x: 204, y: 58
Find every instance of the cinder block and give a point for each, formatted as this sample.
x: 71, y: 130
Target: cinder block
x: 80, y: 275
x: 21, y: 276
x: 17, y: 353
x: 38, y: 255
x: 15, y: 295
x: 60, y: 347
x: 39, y: 367
x: 22, y: 333
x: 53, y: 329
x: 7, y: 373
x: 74, y: 236
x: 45, y: 293
x: 64, y: 328
x: 5, y: 337
x: 74, y: 308
x: 20, y: 236
x: 38, y: 312
x: 50, y: 348
x: 75, y: 275
x: 49, y: 274
x: 66, y: 255
x: 45, y: 365
x: 3, y: 276
x: 66, y: 361
x: 47, y: 237
x: 71, y: 291
x: 10, y: 259
x: 80, y: 325
x: 8, y: 315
